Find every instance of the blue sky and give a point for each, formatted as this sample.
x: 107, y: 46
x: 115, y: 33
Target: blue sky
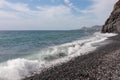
x: 53, y: 14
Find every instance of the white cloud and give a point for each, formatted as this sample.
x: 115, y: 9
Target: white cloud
x: 71, y: 5
x: 8, y: 15
x: 67, y: 1
x: 14, y: 6
x: 101, y: 9
x: 53, y: 17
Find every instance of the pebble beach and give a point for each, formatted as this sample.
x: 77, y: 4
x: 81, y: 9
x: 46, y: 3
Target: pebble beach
x: 101, y: 64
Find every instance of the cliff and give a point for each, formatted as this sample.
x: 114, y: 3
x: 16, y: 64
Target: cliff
x: 113, y: 22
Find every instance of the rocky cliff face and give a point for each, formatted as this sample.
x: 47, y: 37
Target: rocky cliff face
x: 113, y: 22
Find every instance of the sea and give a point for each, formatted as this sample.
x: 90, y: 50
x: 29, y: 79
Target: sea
x: 25, y: 53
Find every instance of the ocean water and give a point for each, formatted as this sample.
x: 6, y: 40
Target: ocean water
x: 25, y: 53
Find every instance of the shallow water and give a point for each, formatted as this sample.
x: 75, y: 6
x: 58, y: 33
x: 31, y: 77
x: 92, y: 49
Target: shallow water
x: 23, y: 53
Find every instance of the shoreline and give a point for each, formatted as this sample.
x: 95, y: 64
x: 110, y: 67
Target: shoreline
x: 103, y: 63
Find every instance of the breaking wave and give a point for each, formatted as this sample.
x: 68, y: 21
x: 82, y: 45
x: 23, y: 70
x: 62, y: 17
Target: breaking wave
x: 17, y: 69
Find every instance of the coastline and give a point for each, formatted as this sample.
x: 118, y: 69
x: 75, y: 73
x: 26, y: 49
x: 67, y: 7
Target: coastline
x: 103, y: 63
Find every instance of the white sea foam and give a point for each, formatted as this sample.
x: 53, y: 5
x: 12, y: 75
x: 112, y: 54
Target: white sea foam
x: 20, y: 68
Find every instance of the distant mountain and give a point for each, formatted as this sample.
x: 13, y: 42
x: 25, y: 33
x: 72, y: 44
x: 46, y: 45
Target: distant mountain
x: 96, y: 27
x: 113, y: 22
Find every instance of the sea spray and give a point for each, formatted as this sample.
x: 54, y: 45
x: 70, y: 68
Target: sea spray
x: 17, y: 69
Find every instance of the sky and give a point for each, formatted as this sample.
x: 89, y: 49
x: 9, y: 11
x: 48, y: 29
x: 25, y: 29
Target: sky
x: 53, y: 14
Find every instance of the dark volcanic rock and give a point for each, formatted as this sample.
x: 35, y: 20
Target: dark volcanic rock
x: 113, y: 22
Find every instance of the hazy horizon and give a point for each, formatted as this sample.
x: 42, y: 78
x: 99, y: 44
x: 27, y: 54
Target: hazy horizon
x: 53, y: 14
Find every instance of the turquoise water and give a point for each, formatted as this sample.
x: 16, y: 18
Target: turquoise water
x: 15, y: 44
x: 25, y: 53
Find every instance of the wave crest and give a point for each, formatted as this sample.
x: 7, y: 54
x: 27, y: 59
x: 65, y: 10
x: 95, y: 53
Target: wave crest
x: 20, y: 68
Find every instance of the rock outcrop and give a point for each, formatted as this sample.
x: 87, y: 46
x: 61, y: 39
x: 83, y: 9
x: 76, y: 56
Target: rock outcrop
x: 96, y: 28
x: 112, y: 25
